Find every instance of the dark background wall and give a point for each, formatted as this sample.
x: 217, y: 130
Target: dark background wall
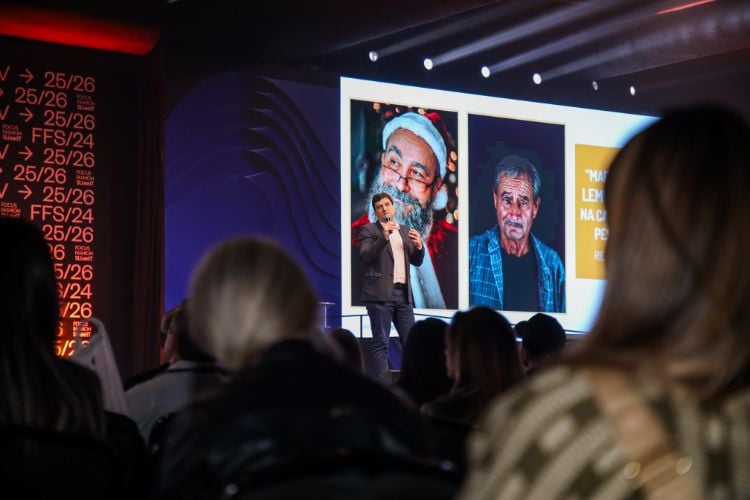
x: 88, y: 127
x: 253, y: 153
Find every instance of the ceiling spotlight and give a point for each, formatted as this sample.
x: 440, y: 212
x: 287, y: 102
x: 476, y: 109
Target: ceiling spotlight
x: 595, y: 85
x: 632, y: 90
x: 373, y: 55
x: 427, y: 63
x: 537, y: 78
x: 485, y: 71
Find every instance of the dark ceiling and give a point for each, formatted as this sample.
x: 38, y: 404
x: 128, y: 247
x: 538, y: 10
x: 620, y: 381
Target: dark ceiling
x: 672, y: 51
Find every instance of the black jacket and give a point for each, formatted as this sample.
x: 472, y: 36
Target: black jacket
x: 295, y: 405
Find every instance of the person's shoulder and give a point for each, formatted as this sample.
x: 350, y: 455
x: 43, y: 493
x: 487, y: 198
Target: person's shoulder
x: 541, y: 397
x: 357, y: 388
x: 369, y: 227
x: 148, y: 387
x: 544, y: 250
x: 484, y: 235
x: 138, y: 391
x: 482, y: 239
x: 145, y: 376
x: 75, y: 373
x: 456, y: 408
x: 529, y: 408
x: 525, y: 432
x: 363, y: 224
x: 541, y: 246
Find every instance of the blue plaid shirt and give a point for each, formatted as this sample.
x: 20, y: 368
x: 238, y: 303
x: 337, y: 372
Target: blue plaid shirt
x: 486, y: 273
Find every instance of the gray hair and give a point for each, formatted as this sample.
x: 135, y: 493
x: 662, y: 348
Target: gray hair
x: 518, y: 166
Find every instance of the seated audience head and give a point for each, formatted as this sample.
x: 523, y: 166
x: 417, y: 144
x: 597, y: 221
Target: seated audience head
x: 520, y: 328
x: 39, y: 390
x: 481, y: 352
x: 348, y: 346
x: 423, y: 373
x: 168, y: 350
x: 542, y: 339
x: 184, y: 347
x: 165, y: 335
x: 678, y: 280
x: 245, y: 295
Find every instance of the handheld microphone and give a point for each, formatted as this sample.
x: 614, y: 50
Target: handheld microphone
x: 388, y: 219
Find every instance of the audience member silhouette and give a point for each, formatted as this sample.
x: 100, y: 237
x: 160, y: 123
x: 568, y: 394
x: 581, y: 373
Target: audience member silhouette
x: 39, y: 389
x: 424, y: 376
x: 482, y: 360
x: 348, y: 347
x: 191, y: 372
x: 52, y: 419
x: 668, y: 351
x: 520, y: 328
x: 542, y: 341
x: 291, y: 411
x: 167, y: 350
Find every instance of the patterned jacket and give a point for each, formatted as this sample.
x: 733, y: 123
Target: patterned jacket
x: 548, y: 439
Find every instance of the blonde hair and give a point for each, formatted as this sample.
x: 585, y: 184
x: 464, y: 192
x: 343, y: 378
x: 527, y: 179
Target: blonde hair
x: 678, y: 276
x: 245, y: 295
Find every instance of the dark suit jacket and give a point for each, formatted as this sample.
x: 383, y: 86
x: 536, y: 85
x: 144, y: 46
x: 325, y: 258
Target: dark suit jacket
x: 377, y: 256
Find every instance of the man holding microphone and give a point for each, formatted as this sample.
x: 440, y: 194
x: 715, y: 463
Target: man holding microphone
x: 386, y: 250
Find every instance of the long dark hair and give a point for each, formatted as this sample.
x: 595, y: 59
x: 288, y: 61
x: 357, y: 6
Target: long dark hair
x: 38, y: 388
x: 423, y: 375
x: 483, y: 355
x: 678, y: 278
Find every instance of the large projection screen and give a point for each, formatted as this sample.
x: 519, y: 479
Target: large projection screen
x: 570, y: 148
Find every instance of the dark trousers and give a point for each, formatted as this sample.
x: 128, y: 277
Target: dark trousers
x: 397, y: 310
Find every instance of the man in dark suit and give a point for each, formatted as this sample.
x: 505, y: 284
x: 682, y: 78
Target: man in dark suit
x: 386, y: 250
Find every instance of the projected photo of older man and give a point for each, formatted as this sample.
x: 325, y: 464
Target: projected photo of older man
x: 509, y: 267
x: 412, y: 168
